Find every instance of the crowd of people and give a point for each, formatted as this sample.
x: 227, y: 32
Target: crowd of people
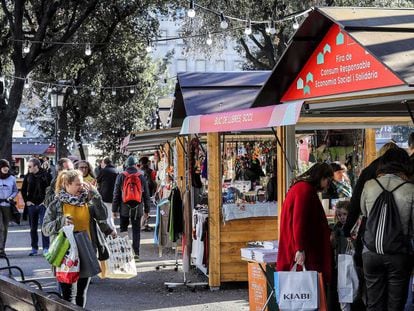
x: 383, y: 255
x: 75, y: 194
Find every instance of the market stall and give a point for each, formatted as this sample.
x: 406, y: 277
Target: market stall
x: 352, y: 67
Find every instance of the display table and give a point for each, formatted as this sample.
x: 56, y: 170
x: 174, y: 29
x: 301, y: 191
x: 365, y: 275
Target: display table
x: 248, y: 210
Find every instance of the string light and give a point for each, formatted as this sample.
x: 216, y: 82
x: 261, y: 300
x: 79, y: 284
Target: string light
x: 191, y: 11
x: 209, y: 40
x: 149, y: 47
x: 93, y: 92
x: 132, y: 90
x: 272, y: 28
x: 268, y: 27
x: 88, y: 50
x: 75, y: 91
x: 248, y: 29
x: 223, y: 22
x: 49, y: 88
x: 26, y: 83
x: 295, y: 24
x: 113, y: 92
x: 26, y: 48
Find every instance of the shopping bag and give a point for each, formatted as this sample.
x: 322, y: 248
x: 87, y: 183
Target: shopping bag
x: 69, y: 271
x: 57, y: 249
x: 348, y: 281
x: 16, y: 216
x: 297, y: 290
x: 323, y: 304
x: 89, y: 265
x: 103, y: 253
x: 121, y: 263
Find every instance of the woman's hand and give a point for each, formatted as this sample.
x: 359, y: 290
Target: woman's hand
x: 90, y: 189
x: 113, y: 234
x: 300, y: 258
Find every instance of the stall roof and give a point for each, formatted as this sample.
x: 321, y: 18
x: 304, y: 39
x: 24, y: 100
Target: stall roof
x: 151, y: 140
x: 200, y: 93
x: 28, y: 149
x: 388, y: 34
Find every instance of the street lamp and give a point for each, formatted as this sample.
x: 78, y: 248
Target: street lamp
x: 56, y: 99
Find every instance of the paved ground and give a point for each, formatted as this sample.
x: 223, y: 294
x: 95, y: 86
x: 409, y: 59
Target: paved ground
x: 145, y: 292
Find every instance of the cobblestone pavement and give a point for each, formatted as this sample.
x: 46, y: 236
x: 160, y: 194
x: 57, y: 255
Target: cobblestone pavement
x: 145, y: 292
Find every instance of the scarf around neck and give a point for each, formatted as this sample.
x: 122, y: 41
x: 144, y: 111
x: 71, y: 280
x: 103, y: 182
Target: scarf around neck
x: 77, y: 200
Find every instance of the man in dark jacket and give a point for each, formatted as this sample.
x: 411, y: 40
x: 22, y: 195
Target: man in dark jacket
x: 133, y: 213
x: 106, y: 183
x: 33, y: 192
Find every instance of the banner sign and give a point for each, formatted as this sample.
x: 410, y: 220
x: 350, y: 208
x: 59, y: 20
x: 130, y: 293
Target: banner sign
x: 339, y: 65
x: 246, y: 119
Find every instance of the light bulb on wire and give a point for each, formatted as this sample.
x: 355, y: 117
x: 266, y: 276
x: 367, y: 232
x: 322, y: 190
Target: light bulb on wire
x: 209, y: 40
x: 248, y: 29
x: 149, y: 47
x: 113, y: 92
x: 26, y: 48
x: 75, y: 91
x: 49, y: 88
x: 88, y: 50
x: 272, y: 27
x: 26, y: 83
x: 191, y: 11
x: 223, y: 23
x: 132, y: 90
x: 268, y: 27
x: 295, y: 24
x: 93, y: 92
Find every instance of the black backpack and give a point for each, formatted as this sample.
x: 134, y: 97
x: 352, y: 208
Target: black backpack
x: 383, y: 232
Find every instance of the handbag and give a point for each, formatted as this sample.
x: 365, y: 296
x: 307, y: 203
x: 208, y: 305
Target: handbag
x: 69, y: 270
x: 89, y: 265
x: 297, y: 290
x: 121, y: 263
x: 103, y: 253
x: 57, y: 249
x: 16, y: 216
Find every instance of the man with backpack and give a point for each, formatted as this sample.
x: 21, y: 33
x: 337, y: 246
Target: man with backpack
x: 388, y: 203
x: 131, y: 199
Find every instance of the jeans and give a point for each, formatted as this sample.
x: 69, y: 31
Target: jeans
x: 387, y: 278
x: 410, y: 300
x: 76, y: 293
x: 136, y: 229
x: 5, y: 216
x: 36, y: 213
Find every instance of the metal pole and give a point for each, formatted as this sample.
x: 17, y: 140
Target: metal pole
x: 56, y: 135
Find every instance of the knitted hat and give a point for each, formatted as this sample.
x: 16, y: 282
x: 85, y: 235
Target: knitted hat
x: 131, y: 161
x: 3, y: 163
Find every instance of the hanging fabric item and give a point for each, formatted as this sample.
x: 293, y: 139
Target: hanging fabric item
x: 176, y: 215
x: 195, y: 165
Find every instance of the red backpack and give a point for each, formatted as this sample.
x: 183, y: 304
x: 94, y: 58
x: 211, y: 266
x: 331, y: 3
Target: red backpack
x: 132, y: 189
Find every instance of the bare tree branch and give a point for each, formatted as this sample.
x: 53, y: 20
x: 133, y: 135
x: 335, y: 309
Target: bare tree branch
x: 8, y: 14
x: 250, y: 57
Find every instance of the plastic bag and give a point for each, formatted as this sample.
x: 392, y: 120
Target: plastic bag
x: 57, y: 250
x: 69, y: 271
x: 121, y: 263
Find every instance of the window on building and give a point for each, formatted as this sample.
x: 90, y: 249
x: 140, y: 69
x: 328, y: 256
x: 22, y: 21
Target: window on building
x: 220, y: 65
x: 163, y: 35
x: 181, y: 65
x: 200, y: 65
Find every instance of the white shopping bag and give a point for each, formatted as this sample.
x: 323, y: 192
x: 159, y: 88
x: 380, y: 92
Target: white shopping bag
x: 121, y: 263
x: 348, y: 282
x: 297, y: 290
x: 69, y: 270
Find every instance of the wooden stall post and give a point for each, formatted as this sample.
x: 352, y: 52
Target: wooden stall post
x: 282, y: 168
x: 180, y: 143
x: 370, y: 150
x: 214, y: 205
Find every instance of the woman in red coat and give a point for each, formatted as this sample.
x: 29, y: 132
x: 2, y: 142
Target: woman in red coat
x: 304, y: 231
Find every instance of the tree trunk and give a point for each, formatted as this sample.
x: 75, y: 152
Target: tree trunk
x: 8, y: 117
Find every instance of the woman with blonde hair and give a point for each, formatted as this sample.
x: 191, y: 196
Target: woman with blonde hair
x: 79, y: 204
